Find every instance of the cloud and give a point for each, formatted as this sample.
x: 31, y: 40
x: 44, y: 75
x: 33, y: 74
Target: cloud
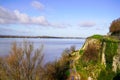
x: 6, y: 16
x: 37, y: 5
x: 87, y: 24
x: 15, y: 17
x: 25, y: 19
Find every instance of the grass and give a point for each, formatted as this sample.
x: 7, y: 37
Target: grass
x: 81, y: 52
x: 105, y: 38
x: 110, y: 52
x: 100, y: 37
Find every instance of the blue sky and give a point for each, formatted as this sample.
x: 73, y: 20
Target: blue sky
x: 71, y: 18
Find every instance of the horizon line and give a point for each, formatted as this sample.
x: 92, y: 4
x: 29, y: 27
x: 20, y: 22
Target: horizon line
x: 18, y: 36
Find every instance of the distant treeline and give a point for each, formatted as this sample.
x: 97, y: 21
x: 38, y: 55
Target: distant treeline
x: 14, y: 36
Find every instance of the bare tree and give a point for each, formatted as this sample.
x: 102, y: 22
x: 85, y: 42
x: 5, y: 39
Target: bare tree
x: 23, y: 62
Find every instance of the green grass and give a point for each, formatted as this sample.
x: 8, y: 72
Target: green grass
x: 105, y: 38
x: 97, y: 36
x: 81, y: 52
x: 110, y: 52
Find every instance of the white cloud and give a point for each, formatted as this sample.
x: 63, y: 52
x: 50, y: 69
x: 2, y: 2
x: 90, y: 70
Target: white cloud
x: 25, y: 19
x: 22, y: 18
x: 87, y: 24
x: 6, y: 16
x: 40, y: 20
x: 15, y: 17
x: 37, y: 5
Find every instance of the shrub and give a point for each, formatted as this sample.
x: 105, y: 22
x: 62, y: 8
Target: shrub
x: 23, y: 63
x: 59, y: 69
x: 115, y: 25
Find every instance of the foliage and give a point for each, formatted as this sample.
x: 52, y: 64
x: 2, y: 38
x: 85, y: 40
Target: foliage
x: 110, y: 52
x: 23, y: 63
x: 105, y: 38
x: 106, y: 75
x: 59, y: 69
x: 115, y: 25
x: 111, y: 39
x: 90, y: 62
x: 81, y: 52
x: 2, y: 71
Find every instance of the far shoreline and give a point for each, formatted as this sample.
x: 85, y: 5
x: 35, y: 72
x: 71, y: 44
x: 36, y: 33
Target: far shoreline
x: 47, y: 37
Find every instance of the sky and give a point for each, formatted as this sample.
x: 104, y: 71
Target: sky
x: 62, y: 18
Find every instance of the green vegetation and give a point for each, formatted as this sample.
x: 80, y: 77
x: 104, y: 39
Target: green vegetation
x: 81, y: 52
x: 105, y: 38
x: 100, y: 37
x: 111, y: 48
x: 90, y: 62
x: 110, y: 52
x: 106, y: 75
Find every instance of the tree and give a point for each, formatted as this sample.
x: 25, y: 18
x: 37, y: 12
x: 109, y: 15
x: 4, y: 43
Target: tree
x: 23, y: 62
x: 115, y: 25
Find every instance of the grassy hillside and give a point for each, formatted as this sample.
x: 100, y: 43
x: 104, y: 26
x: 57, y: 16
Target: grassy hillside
x: 97, y: 56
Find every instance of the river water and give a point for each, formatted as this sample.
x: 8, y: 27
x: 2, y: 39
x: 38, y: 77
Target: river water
x: 52, y: 48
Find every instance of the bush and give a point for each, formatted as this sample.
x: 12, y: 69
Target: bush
x: 23, y: 63
x: 115, y: 25
x: 59, y: 69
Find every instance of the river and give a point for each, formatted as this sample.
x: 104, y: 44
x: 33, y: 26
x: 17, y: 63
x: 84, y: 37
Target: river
x: 52, y: 48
